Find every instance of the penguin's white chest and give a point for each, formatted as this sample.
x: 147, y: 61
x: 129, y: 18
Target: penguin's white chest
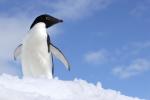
x: 36, y: 60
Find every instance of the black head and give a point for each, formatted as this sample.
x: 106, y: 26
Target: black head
x: 47, y: 19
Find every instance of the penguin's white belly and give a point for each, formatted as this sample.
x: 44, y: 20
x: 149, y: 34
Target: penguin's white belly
x: 36, y: 61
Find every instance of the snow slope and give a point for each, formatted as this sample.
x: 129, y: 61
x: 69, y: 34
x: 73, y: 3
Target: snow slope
x: 13, y: 88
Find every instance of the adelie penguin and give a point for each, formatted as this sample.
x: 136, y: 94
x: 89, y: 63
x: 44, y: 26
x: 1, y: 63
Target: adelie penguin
x: 36, y: 50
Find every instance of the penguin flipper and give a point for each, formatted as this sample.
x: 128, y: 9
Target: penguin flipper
x: 17, y: 52
x: 59, y: 55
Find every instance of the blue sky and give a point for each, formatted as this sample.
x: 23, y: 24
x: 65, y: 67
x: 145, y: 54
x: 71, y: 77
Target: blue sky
x: 104, y: 40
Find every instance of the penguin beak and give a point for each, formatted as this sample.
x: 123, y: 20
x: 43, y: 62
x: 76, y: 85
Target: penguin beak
x: 60, y: 21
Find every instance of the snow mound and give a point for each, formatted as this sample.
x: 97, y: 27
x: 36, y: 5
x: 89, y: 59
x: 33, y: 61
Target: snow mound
x: 13, y: 88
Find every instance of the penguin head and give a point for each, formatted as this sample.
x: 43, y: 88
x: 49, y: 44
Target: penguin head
x: 47, y: 19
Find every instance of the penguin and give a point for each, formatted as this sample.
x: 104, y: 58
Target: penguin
x: 36, y: 50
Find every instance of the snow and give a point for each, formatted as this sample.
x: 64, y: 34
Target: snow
x: 13, y: 88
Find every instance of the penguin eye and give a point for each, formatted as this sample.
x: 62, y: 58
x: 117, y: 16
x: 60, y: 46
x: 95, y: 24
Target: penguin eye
x: 47, y: 18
